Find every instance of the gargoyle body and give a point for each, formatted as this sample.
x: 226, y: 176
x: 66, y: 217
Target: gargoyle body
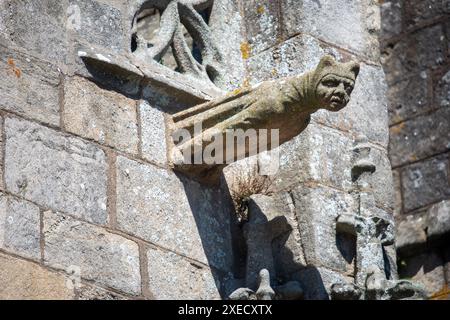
x: 284, y: 104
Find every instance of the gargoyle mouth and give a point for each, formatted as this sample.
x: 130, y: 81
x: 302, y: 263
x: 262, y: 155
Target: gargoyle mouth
x: 337, y: 102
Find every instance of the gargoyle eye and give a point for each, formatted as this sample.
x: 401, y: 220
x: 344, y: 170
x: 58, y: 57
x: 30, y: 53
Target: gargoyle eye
x: 329, y: 83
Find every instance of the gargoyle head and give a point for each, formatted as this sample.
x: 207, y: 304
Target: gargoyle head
x: 334, y: 82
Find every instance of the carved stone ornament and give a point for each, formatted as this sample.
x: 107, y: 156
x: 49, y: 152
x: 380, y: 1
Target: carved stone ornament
x: 284, y: 105
x: 174, y: 15
x: 373, y: 234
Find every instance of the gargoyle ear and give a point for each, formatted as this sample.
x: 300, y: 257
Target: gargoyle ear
x: 327, y: 61
x: 354, y: 67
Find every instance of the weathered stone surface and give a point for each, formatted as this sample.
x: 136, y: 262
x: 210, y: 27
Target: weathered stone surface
x: 4, y: 16
x: 285, y: 60
x: 420, y: 137
x: 399, y: 60
x: 99, y: 23
x: 411, y: 236
x: 29, y: 86
x: 317, y: 282
x: 173, y: 277
x: 317, y: 209
x: 154, y: 147
x: 324, y: 155
x: 414, y: 54
x: 427, y: 269
x: 348, y: 23
x: 442, y: 91
x: 225, y: 19
x: 55, y: 171
x: 104, y: 116
x: 425, y: 183
x: 19, y: 227
x: 2, y: 165
x: 261, y: 19
x: 40, y: 26
x: 366, y: 112
x: 272, y: 238
x: 438, y: 220
x: 431, y: 47
x: 319, y: 154
x: 90, y: 292
x: 408, y: 98
x: 380, y: 181
x: 101, y: 256
x: 25, y: 280
x: 156, y: 205
x: 391, y: 17
x: 420, y: 11
x: 398, y: 201
x: 447, y: 264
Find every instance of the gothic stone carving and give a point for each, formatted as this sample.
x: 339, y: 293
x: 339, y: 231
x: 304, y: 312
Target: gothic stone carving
x: 284, y: 104
x: 373, y: 234
x: 175, y: 14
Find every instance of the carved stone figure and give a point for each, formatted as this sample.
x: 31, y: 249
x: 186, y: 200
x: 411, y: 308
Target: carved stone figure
x: 284, y: 104
x: 373, y: 234
x: 291, y: 290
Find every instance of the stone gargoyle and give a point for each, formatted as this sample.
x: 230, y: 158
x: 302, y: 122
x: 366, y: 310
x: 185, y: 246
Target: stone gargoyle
x: 285, y: 105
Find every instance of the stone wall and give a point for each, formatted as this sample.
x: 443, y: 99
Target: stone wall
x: 416, y: 59
x: 90, y: 207
x: 314, y: 183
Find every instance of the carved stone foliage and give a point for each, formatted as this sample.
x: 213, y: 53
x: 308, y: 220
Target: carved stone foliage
x: 179, y: 26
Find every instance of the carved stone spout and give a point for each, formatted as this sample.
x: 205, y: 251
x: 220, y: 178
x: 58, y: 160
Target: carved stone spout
x: 273, y: 112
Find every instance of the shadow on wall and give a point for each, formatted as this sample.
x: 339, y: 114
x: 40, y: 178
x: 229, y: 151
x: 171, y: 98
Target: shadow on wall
x: 212, y: 211
x: 237, y: 252
x: 275, y: 247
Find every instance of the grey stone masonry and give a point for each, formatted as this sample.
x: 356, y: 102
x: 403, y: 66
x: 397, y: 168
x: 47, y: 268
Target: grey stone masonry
x: 154, y: 148
x: 19, y: 227
x: 97, y: 22
x: 104, y: 116
x: 91, y: 252
x: 416, y: 59
x: 174, y: 277
x: 156, y: 205
x: 349, y: 24
x: 425, y: 182
x: 30, y: 87
x: 55, y: 171
x: 420, y: 137
x: 262, y: 26
x: 40, y: 27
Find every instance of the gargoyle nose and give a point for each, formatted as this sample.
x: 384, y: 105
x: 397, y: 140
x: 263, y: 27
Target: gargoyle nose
x: 340, y: 90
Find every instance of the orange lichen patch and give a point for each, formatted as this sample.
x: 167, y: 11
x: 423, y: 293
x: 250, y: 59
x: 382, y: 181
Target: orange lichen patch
x: 443, y: 294
x: 261, y: 9
x: 14, y: 69
x: 398, y: 128
x: 245, y: 50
